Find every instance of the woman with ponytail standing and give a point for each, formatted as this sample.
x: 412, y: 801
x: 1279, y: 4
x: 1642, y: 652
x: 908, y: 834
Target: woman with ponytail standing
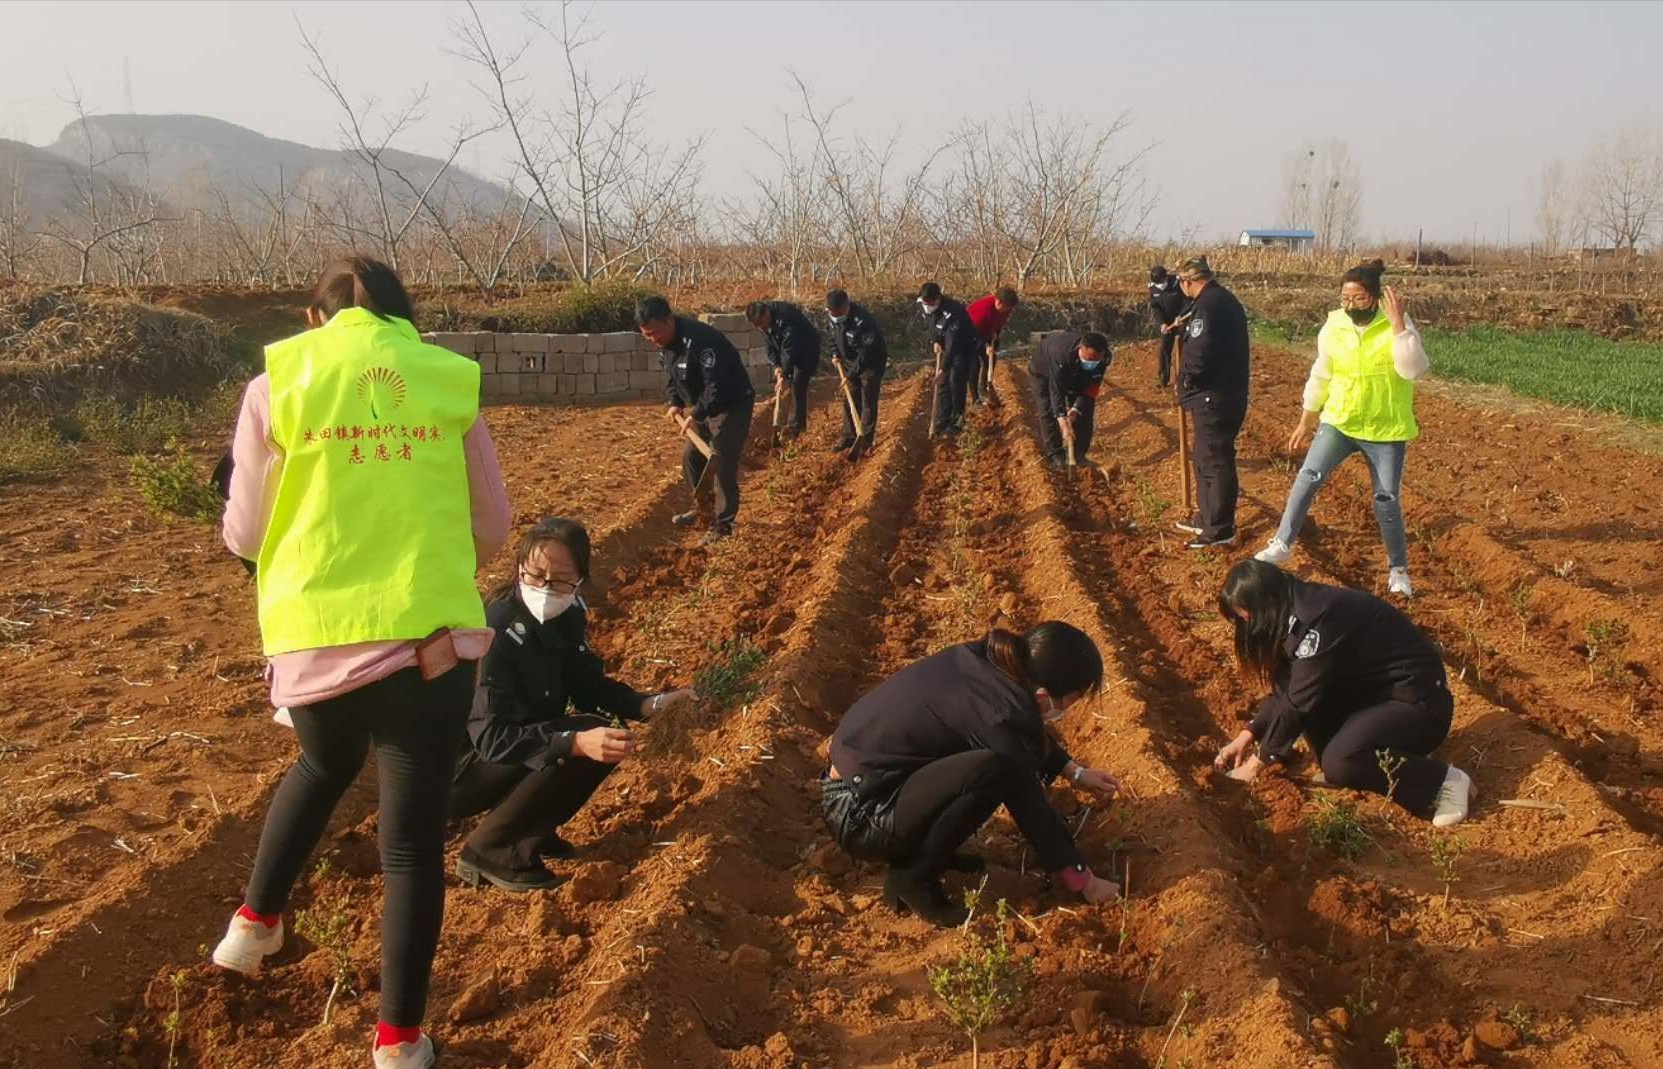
x: 1359, y: 398
x: 366, y: 492
x: 921, y: 762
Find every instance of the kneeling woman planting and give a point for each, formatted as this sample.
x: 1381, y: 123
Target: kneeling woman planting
x: 921, y: 762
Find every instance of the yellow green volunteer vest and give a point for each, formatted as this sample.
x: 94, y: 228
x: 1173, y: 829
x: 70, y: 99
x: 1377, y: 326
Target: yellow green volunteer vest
x: 371, y: 534
x: 1367, y: 398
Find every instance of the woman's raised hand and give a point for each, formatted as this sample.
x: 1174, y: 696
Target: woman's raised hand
x: 1395, y: 307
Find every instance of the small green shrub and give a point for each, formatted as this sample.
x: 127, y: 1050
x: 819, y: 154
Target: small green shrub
x: 730, y: 679
x: 984, y: 982
x: 172, y: 486
x: 1334, y: 826
x: 31, y: 449
x: 145, y: 427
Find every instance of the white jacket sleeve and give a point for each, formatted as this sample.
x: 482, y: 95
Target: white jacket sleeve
x: 1408, y: 353
x: 1316, y: 384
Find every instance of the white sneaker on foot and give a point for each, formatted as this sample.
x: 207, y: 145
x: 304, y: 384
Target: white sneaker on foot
x: 417, y: 1055
x: 1189, y: 528
x: 1397, y: 582
x: 1277, y: 552
x: 1453, y: 798
x: 246, y: 944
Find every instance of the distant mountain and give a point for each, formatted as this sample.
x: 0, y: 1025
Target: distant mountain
x: 43, y: 178
x: 185, y: 158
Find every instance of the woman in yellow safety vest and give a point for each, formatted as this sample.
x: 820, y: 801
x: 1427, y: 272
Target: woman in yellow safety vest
x: 366, y: 489
x: 1360, y: 398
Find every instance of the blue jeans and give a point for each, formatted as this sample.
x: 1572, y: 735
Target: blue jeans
x: 1328, y: 450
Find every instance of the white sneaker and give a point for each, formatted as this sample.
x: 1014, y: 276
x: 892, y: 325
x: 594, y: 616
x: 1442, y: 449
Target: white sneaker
x: 1397, y: 582
x: 1277, y: 552
x: 1188, y: 528
x: 246, y: 944
x: 1453, y: 798
x: 417, y: 1055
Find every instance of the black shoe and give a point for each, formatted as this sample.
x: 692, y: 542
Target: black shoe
x: 1057, y: 461
x: 861, y: 447
x: 718, y: 532
x: 905, y: 891
x: 475, y: 871
x: 1163, y: 384
x: 556, y: 847
x: 1203, y: 542
x: 847, y: 443
x: 685, y: 519
x: 966, y: 862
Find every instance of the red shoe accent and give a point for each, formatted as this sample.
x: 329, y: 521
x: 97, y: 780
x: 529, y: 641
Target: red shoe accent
x: 387, y: 1035
x: 268, y: 919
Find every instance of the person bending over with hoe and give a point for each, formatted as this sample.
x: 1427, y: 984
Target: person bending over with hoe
x: 954, y: 344
x: 547, y: 721
x: 367, y: 491
x: 711, y: 401
x: 793, y: 349
x: 989, y: 314
x: 921, y: 762
x: 1068, y: 368
x: 1359, y: 398
x: 858, y: 347
x: 1355, y: 677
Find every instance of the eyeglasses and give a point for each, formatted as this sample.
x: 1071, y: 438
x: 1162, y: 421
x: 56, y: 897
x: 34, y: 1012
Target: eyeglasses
x: 546, y: 582
x: 1356, y: 302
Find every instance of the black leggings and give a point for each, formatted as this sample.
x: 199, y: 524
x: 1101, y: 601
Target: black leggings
x: 941, y: 805
x: 1349, y: 751
x: 524, y: 804
x: 416, y: 728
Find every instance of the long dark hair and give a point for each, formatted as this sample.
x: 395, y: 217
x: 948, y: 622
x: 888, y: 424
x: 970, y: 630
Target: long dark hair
x: 1266, y: 593
x: 1055, y: 656
x: 362, y: 282
x: 568, y: 533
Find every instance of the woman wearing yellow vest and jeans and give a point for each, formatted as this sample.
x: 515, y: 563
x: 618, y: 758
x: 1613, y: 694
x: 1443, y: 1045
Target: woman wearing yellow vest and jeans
x: 366, y: 488
x: 1360, y: 398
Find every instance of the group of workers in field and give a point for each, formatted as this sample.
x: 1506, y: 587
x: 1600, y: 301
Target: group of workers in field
x: 496, y: 709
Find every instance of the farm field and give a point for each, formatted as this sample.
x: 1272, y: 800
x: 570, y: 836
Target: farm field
x: 710, y: 923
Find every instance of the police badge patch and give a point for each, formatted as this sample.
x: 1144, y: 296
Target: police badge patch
x: 708, y: 358
x: 1195, y: 327
x: 1309, y: 644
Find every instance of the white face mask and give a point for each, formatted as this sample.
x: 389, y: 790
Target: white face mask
x: 837, y: 318
x: 929, y: 309
x: 545, y: 604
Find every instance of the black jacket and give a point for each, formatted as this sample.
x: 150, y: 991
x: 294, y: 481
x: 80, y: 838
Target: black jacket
x: 1056, y: 360
x: 1166, y: 300
x: 793, y: 343
x: 1345, y: 650
x: 952, y: 329
x: 705, y: 372
x: 1215, y: 352
x: 948, y: 703
x: 533, y: 672
x: 858, y: 342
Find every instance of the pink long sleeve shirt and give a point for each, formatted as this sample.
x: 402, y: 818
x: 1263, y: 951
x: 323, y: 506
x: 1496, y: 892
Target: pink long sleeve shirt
x: 305, y: 677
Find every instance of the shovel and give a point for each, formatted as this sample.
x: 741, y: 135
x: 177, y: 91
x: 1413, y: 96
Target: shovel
x: 849, y: 396
x: 1188, y: 475
x: 935, y: 387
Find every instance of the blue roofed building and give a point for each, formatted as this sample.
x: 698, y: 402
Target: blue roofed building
x: 1300, y: 240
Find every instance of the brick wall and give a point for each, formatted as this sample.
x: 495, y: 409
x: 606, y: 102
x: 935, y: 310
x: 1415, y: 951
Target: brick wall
x: 586, y: 368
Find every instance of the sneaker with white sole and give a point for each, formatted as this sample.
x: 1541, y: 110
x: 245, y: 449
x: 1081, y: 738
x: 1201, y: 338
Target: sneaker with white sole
x: 246, y: 944
x: 1397, y: 582
x: 1189, y: 528
x: 417, y: 1055
x: 1277, y: 552
x: 1453, y: 798
x: 1203, y: 542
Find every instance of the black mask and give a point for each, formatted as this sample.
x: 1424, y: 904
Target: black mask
x: 1361, y: 316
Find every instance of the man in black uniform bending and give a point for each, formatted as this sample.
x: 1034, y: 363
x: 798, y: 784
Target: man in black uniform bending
x: 954, y: 339
x: 857, y: 344
x: 1068, y: 369
x: 1212, y: 386
x: 709, y: 393
x: 793, y: 349
x: 1165, y: 302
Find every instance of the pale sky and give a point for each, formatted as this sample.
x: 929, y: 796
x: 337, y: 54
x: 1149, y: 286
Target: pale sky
x: 1451, y: 108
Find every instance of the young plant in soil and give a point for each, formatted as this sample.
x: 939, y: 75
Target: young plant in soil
x: 1446, y: 852
x: 1523, y: 1023
x: 171, y: 486
x: 1363, y: 1003
x: 730, y: 679
x: 175, y: 1019
x: 984, y: 982
x: 1154, y: 506
x: 1334, y: 826
x: 1186, y: 996
x: 1400, y: 1057
x: 1606, y: 640
x: 327, y: 926
x: 1390, y: 764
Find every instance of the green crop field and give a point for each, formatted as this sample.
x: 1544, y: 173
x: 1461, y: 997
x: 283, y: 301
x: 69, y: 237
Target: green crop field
x: 1566, y: 366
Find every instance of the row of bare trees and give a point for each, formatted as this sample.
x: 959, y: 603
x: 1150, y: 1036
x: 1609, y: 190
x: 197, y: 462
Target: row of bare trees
x: 1323, y: 192
x: 1610, y: 200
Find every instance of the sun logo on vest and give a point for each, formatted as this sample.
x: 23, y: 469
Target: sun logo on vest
x: 382, y: 389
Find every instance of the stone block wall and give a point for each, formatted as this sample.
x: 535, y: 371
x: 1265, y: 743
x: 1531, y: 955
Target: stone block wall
x: 587, y: 368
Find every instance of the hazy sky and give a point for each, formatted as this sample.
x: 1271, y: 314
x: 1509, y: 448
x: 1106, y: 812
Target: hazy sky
x: 1451, y: 108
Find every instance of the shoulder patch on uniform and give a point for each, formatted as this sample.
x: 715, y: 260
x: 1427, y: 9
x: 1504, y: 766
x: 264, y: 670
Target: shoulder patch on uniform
x: 1196, y: 327
x: 708, y: 358
x: 517, y: 632
x: 1309, y: 645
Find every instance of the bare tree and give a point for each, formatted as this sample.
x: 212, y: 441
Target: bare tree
x: 1553, y: 206
x: 1623, y: 185
x: 1298, y: 174
x: 18, y: 239
x: 786, y: 223
x: 1339, y: 196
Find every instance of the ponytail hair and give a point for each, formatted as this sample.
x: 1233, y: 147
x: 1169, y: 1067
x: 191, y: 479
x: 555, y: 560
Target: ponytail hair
x: 1367, y: 276
x: 362, y: 282
x: 1055, y: 656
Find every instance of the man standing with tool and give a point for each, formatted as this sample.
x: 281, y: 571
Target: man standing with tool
x: 1068, y: 368
x: 858, y: 347
x: 793, y: 350
x: 1212, y: 388
x: 711, y: 400
x: 989, y: 314
x: 1165, y: 302
x: 954, y: 342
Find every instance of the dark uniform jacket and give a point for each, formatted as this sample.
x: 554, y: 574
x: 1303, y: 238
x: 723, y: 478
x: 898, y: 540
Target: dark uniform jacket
x: 706, y: 374
x: 1345, y: 650
x: 951, y: 328
x: 858, y: 342
x: 948, y: 703
x: 532, y: 674
x: 793, y: 343
x: 1166, y: 300
x: 1215, y: 352
x: 1056, y: 360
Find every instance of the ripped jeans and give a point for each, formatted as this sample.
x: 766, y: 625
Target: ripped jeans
x: 1328, y: 450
